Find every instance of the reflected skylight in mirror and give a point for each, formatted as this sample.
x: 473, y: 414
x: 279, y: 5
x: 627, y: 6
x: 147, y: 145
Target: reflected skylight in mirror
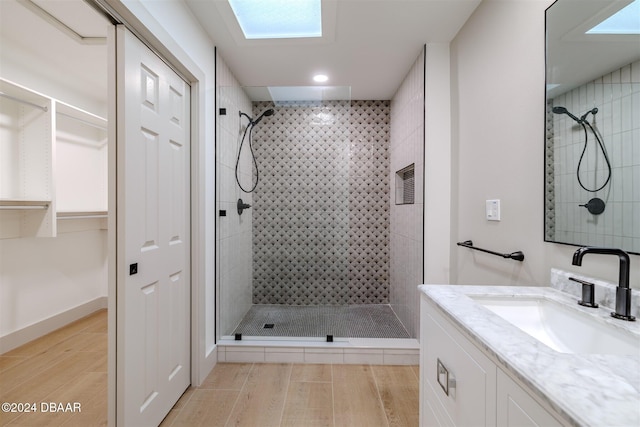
x: 278, y: 19
x: 625, y: 21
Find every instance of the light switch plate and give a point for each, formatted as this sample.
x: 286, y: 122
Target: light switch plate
x: 493, y: 210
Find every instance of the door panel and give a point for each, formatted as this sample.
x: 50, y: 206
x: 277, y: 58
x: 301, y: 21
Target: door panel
x: 153, y: 300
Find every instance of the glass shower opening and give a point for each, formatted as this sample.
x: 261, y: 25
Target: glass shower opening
x: 304, y: 195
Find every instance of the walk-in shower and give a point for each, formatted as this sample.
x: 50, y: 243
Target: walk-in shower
x: 312, y: 257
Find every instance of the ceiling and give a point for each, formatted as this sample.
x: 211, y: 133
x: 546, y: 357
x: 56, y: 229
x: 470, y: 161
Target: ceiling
x: 54, y: 46
x: 368, y: 45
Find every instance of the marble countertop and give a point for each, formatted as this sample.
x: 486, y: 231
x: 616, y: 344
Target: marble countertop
x: 585, y: 389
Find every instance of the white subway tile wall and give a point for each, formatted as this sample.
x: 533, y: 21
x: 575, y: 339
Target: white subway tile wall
x: 617, y: 97
x: 406, y: 221
x: 234, y: 232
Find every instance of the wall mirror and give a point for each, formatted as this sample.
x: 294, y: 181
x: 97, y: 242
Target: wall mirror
x: 592, y: 130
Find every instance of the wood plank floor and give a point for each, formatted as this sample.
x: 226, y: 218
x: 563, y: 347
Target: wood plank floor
x: 70, y: 365
x: 66, y: 366
x: 241, y: 394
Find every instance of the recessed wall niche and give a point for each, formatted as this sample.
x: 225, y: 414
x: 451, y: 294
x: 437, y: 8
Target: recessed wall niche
x: 405, y: 185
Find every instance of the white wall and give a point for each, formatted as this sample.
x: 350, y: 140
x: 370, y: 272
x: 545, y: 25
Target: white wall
x: 497, y: 66
x: 43, y: 277
x: 437, y: 170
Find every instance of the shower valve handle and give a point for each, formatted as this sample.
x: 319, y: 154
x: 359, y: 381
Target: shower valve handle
x: 242, y: 206
x: 595, y: 206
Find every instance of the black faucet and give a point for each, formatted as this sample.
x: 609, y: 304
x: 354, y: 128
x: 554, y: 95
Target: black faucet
x: 623, y: 292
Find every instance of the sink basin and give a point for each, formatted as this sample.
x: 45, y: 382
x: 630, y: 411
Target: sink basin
x: 563, y: 328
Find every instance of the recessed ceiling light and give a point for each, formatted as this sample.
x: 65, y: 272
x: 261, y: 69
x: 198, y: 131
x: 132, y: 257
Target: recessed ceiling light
x: 320, y: 78
x: 278, y: 19
x: 625, y: 21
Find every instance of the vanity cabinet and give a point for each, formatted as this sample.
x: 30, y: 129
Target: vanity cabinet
x: 517, y: 408
x: 461, y: 385
x: 460, y: 380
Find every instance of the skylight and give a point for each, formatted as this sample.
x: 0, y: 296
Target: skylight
x: 278, y: 19
x: 625, y: 21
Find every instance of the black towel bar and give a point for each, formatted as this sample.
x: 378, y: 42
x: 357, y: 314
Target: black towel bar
x: 518, y: 256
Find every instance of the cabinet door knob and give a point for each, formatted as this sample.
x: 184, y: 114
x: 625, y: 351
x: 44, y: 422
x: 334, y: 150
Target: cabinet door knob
x: 446, y: 379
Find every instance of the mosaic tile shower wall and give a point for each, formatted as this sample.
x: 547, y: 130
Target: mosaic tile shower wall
x: 321, y: 208
x: 549, y: 173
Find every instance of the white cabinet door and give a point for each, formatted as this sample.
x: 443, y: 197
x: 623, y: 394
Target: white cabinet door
x: 153, y: 256
x: 516, y: 408
x: 446, y: 352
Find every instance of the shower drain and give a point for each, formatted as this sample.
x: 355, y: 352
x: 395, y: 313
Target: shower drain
x: 268, y: 326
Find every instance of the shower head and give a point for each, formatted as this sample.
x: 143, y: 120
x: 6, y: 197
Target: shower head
x: 562, y: 110
x: 266, y: 113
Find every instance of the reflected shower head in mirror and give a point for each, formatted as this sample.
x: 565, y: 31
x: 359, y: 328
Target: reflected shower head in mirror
x: 562, y: 110
x: 583, y: 119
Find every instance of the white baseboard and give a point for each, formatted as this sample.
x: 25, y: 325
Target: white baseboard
x: 31, y: 332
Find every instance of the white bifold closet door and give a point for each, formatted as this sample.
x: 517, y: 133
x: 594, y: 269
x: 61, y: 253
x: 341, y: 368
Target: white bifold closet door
x: 153, y: 235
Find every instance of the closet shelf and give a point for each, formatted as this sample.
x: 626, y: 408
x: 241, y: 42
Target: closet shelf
x: 12, y: 204
x: 24, y: 101
x: 22, y: 95
x: 82, y: 215
x: 81, y: 116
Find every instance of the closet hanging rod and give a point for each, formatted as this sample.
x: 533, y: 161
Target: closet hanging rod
x: 23, y: 208
x: 82, y: 215
x: 86, y: 122
x: 32, y: 104
x: 518, y: 256
x: 23, y: 205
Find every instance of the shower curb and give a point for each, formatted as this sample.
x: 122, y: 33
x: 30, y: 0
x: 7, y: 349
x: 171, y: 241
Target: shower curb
x: 341, y: 351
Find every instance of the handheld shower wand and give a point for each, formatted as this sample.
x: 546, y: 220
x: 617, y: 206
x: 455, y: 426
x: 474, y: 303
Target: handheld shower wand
x: 266, y: 113
x: 249, y: 129
x: 582, y: 121
x: 562, y: 110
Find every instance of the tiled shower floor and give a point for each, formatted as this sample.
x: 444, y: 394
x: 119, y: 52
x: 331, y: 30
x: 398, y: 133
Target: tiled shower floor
x: 353, y: 321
